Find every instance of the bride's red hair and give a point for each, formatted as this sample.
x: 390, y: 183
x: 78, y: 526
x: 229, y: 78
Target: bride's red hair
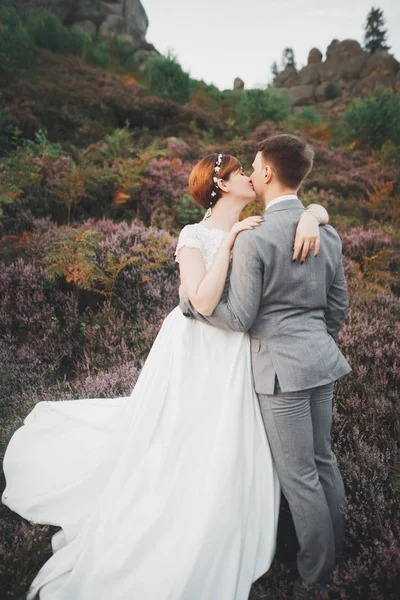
x: 201, y: 182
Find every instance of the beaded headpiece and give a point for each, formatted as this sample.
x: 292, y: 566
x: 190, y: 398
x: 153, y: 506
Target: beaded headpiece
x: 215, y: 178
x: 215, y: 182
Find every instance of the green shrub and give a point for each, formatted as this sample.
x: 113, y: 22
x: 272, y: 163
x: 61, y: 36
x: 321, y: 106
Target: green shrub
x: 46, y: 30
x: 305, y: 118
x: 372, y: 121
x: 6, y: 133
x: 123, y: 51
x: 188, y: 211
x: 166, y: 78
x: 255, y: 106
x: 17, y: 48
x: 204, y: 95
x: 332, y: 91
x: 96, y: 53
x: 75, y: 40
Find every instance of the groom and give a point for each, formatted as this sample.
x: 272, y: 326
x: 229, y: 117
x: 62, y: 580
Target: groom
x: 293, y: 311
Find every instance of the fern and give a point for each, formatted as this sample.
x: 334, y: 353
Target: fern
x: 74, y: 259
x: 379, y: 197
x: 72, y: 187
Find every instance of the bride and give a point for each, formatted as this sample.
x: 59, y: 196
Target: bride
x: 169, y: 493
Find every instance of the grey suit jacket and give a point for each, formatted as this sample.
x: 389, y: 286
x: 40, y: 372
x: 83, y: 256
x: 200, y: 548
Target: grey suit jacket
x: 293, y: 311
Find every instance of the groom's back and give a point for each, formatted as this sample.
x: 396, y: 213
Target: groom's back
x: 301, y: 305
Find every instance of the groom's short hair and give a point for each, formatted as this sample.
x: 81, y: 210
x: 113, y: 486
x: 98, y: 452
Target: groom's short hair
x: 291, y: 157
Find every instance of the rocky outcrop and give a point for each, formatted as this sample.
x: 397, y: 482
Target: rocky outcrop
x: 116, y: 18
x: 348, y: 71
x: 238, y: 84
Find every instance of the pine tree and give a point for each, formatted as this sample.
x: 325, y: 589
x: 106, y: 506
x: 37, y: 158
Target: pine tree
x: 275, y: 71
x: 375, y: 35
x: 288, y: 58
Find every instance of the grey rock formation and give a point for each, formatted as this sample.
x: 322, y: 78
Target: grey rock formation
x: 310, y: 74
x: 300, y: 95
x: 238, y: 84
x: 314, y: 56
x: 382, y: 63
x: 287, y: 78
x: 114, y: 18
x: 348, y: 71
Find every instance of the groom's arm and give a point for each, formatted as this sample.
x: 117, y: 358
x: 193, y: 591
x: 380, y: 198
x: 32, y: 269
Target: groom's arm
x: 337, y: 302
x: 239, y: 309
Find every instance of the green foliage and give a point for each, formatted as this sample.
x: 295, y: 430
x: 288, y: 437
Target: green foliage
x: 46, y: 30
x: 375, y: 35
x: 288, y: 58
x: 97, y: 54
x: 41, y: 146
x: 205, y: 95
x: 275, y: 71
x: 75, y: 260
x: 123, y: 51
x: 119, y: 143
x: 166, y: 78
x: 374, y: 120
x: 72, y: 187
x: 304, y: 119
x: 17, y: 49
x: 188, y: 211
x: 332, y: 91
x: 6, y: 133
x: 256, y: 106
x: 75, y: 40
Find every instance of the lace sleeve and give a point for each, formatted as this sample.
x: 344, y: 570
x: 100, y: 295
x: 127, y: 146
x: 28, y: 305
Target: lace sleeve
x: 189, y: 236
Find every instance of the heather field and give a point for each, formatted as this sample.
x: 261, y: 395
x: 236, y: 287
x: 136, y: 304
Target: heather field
x: 93, y: 193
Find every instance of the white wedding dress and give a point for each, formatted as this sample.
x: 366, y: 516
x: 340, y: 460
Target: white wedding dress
x: 167, y: 494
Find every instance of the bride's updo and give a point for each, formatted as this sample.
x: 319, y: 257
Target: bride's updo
x: 201, y: 182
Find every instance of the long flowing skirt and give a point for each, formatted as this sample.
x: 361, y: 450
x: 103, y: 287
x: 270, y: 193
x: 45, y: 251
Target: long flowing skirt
x: 167, y: 494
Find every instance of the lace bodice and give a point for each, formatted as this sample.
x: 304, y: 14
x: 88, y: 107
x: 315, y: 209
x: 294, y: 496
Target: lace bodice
x: 207, y: 240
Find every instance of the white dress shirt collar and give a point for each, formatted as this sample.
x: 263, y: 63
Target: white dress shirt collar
x: 281, y: 199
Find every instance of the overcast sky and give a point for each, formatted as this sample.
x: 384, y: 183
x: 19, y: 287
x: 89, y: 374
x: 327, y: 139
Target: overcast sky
x: 218, y: 40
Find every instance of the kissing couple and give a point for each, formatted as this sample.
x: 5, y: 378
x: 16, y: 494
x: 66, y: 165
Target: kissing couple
x: 173, y: 492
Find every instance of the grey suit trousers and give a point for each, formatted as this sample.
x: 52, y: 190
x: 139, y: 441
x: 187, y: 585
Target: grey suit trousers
x: 298, y: 426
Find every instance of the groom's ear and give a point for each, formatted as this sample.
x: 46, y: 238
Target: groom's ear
x: 267, y: 173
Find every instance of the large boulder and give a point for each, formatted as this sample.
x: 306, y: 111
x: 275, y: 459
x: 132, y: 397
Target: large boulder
x: 310, y: 74
x: 300, y: 95
x: 108, y: 19
x: 314, y: 56
x: 287, y: 78
x: 369, y: 84
x: 336, y: 71
x: 342, y: 51
x: 238, y: 84
x: 382, y: 63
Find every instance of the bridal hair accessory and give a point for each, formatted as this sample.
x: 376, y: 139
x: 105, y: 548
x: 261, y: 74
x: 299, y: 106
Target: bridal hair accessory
x: 215, y: 181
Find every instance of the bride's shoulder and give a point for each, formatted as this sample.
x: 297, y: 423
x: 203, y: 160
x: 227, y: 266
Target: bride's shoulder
x: 192, y: 230
x: 190, y: 236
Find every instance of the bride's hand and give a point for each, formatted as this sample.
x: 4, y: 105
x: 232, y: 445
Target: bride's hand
x: 249, y: 223
x: 307, y: 236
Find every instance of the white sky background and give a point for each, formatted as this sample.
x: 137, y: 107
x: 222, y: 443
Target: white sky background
x: 218, y: 40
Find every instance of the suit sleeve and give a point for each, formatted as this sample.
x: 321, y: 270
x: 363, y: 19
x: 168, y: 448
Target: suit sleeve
x: 238, y: 310
x: 337, y: 302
